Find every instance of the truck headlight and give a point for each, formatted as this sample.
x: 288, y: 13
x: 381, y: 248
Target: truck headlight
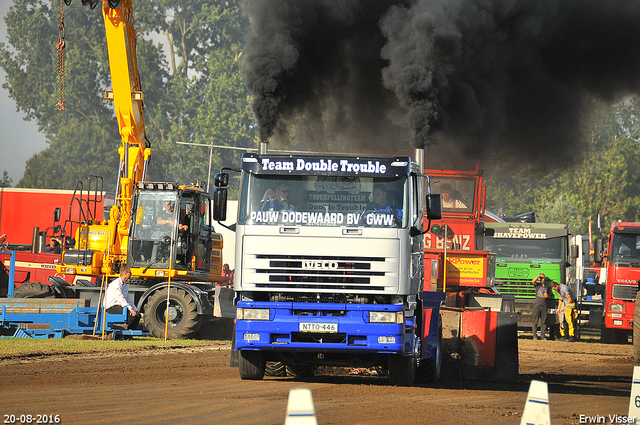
x: 618, y: 308
x: 252, y: 314
x: 386, y: 317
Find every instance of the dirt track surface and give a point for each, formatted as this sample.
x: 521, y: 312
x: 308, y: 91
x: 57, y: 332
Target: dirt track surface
x: 196, y: 385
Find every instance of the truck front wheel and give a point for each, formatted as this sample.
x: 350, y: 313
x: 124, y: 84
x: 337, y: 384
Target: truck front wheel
x: 612, y: 336
x: 233, y: 357
x: 251, y: 364
x: 403, y: 369
x: 184, y: 320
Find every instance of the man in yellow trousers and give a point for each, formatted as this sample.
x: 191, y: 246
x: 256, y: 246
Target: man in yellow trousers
x: 566, y: 310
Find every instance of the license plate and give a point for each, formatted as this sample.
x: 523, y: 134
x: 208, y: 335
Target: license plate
x: 319, y: 327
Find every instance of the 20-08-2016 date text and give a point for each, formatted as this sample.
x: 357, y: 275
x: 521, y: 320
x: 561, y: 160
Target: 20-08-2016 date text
x: 31, y: 419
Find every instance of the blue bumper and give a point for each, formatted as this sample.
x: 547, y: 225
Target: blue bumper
x: 334, y: 328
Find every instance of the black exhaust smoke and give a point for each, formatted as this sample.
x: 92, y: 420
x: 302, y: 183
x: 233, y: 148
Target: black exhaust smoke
x: 475, y: 76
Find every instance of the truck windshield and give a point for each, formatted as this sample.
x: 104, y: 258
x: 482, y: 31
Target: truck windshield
x: 457, y: 193
x: 625, y: 247
x: 323, y: 201
x: 152, y: 228
x: 550, y: 250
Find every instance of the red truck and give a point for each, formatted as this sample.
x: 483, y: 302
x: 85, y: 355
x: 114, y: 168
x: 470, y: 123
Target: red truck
x: 28, y: 219
x: 620, y: 274
x: 479, y: 327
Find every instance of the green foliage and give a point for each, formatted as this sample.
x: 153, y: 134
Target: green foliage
x: 561, y: 209
x: 195, y: 96
x: 6, y: 180
x: 604, y: 178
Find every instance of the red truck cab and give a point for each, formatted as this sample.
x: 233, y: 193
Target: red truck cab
x: 621, y: 272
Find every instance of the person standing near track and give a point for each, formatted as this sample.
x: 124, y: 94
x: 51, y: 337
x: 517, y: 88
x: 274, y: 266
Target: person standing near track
x: 540, y: 306
x: 566, y: 311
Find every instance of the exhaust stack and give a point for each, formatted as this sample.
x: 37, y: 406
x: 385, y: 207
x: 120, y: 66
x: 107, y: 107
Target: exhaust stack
x: 419, y: 158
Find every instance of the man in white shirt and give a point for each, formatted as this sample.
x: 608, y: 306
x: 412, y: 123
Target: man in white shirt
x: 117, y: 298
x: 448, y: 198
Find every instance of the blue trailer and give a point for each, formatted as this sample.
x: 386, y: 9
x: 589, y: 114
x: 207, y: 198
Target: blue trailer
x: 56, y: 317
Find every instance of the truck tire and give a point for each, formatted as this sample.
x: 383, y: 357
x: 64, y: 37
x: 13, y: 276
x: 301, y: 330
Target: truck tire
x: 613, y: 336
x: 506, y: 367
x: 233, y: 357
x: 402, y: 370
x: 606, y: 335
x: 300, y: 371
x: 430, y: 370
x: 275, y: 369
x: 251, y: 364
x: 34, y: 290
x: 636, y: 330
x: 184, y: 320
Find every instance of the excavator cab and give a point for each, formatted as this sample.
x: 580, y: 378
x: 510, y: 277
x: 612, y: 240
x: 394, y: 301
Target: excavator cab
x: 170, y: 228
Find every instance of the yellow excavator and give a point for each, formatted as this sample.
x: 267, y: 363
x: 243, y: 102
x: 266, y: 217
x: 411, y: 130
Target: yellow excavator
x: 161, y: 230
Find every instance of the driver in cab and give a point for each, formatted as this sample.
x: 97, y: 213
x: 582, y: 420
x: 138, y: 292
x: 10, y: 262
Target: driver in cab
x: 382, y: 203
x: 280, y: 200
x: 165, y: 217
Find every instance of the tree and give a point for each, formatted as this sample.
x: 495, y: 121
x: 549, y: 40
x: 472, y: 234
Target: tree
x: 603, y: 180
x: 6, y: 180
x: 201, y: 99
x: 562, y: 210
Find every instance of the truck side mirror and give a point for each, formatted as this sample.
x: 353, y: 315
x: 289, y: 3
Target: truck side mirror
x: 598, y: 248
x: 573, y: 251
x: 488, y: 231
x: 56, y: 215
x: 221, y: 180
x: 219, y: 203
x: 434, y: 206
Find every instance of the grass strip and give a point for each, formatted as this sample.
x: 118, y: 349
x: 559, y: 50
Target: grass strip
x: 31, y: 347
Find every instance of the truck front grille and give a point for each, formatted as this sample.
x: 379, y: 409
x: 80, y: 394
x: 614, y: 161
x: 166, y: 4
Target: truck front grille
x: 517, y: 288
x: 327, y: 272
x: 624, y: 292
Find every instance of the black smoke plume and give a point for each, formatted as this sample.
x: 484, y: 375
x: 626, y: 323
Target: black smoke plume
x: 474, y: 76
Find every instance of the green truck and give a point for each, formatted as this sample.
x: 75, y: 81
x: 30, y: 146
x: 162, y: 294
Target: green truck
x: 523, y: 251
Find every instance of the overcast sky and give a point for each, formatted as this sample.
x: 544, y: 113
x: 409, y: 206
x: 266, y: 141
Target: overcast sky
x: 19, y: 139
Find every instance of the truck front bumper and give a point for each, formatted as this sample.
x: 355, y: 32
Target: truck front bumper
x: 320, y: 327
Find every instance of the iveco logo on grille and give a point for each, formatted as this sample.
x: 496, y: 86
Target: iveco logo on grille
x: 518, y: 272
x: 319, y: 265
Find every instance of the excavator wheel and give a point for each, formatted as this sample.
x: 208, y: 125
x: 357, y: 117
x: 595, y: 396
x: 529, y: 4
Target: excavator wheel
x: 34, y: 290
x: 184, y: 320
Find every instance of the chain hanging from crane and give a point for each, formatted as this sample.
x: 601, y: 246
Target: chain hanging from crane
x: 62, y: 44
x: 60, y: 47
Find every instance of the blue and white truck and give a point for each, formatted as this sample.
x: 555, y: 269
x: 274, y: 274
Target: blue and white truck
x: 329, y: 276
